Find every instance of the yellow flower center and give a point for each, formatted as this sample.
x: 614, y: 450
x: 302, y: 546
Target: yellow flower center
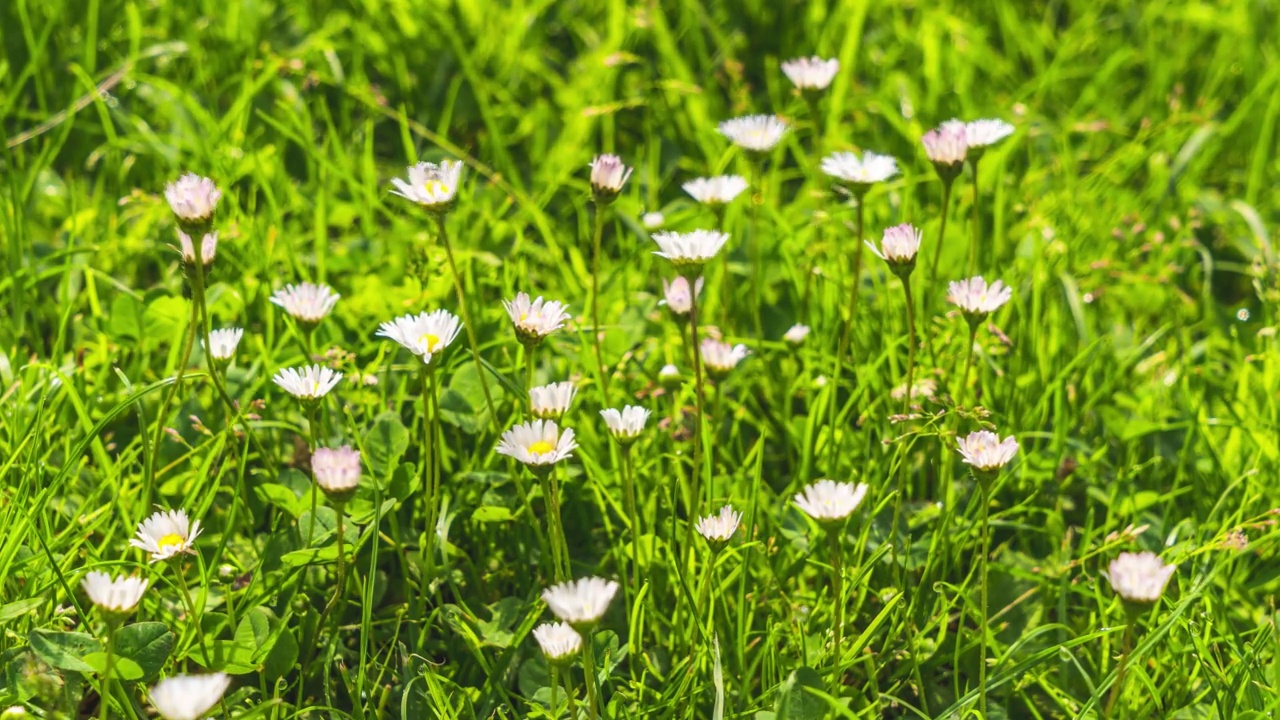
x: 170, y: 540
x: 435, y: 187
x: 541, y: 447
x: 315, y: 387
x: 429, y: 341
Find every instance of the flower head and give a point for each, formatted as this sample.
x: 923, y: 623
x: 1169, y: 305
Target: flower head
x: 1139, y: 577
x: 720, y: 357
x: 653, y: 220
x: 898, y: 247
x: 976, y: 299
x: 677, y: 297
x: 208, y: 248
x: 986, y: 453
x: 222, y: 343
x: 188, y: 697
x: 828, y: 501
x: 118, y: 596
x: 717, y: 190
x: 796, y: 335
x: 166, y: 534
x: 608, y: 175
x: 670, y: 377
x: 559, y: 641
x: 757, y: 133
x: 535, y: 319
x: 719, y: 529
x: 860, y: 172
x: 434, y: 187
x: 337, y: 471
x: 193, y: 200
x: 426, y: 334
x: 627, y: 424
x: 538, y: 444
x: 309, y: 383
x: 947, y: 146
x: 811, y: 73
x: 581, y: 603
x: 689, y: 251
x: 981, y: 134
x: 307, y: 303
x: 551, y: 402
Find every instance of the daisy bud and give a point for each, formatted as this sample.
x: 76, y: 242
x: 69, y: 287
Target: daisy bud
x: 976, y: 299
x: 670, y: 377
x: 337, y: 472
x: 580, y: 603
x: 535, y: 319
x: 811, y: 74
x: 755, y: 133
x: 166, y: 534
x: 433, y: 187
x: 986, y: 454
x: 796, y: 335
x: 307, y: 303
x: 208, y: 249
x: 551, y: 402
x: 193, y: 200
x: 715, y: 191
x: 426, y: 335
x: 1139, y: 578
x: 115, y: 597
x: 981, y: 134
x: 719, y: 529
x: 947, y: 147
x: 690, y: 251
x: 677, y: 298
x: 653, y: 220
x: 188, y: 697
x: 859, y: 173
x: 608, y: 175
x: 559, y: 642
x: 538, y: 444
x: 720, y: 358
x: 625, y: 425
x: 222, y: 344
x: 898, y: 247
x: 830, y: 502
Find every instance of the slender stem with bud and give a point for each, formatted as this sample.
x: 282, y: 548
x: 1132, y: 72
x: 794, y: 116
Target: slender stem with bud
x: 466, y: 319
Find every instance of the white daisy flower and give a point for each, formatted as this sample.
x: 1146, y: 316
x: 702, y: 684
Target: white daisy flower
x: 309, y: 383
x: 208, y: 248
x: 689, y: 251
x: 676, y: 295
x: 981, y: 134
x: 308, y: 303
x: 551, y: 402
x: 337, y: 471
x: 653, y: 220
x: 222, y: 343
x: 976, y: 299
x: 118, y: 596
x: 167, y: 533
x: 581, y: 603
x: 426, y: 334
x: 985, y: 452
x: 757, y: 133
x: 434, y: 187
x: 796, y: 334
x: 899, y: 246
x: 188, y: 697
x: 718, y: 190
x: 1139, y: 577
x: 719, y: 529
x: 627, y: 424
x: 535, y: 319
x: 720, y: 357
x: 538, y: 444
x: 811, y: 73
x: 861, y: 172
x: 947, y: 146
x: 830, y: 501
x: 193, y: 200
x: 559, y: 641
x: 608, y: 175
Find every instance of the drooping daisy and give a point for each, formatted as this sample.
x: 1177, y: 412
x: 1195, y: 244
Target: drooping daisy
x: 337, y: 471
x: 426, y: 334
x: 677, y: 297
x: 717, y: 190
x: 208, y: 248
x: 689, y: 251
x: 581, y: 603
x: 608, y: 175
x: 860, y: 172
x: 796, y: 335
x: 811, y: 73
x: 947, y: 146
x: 167, y: 533
x: 118, y: 596
x: 559, y: 641
x: 188, y: 697
x: 538, y: 444
x: 985, y: 452
x: 1139, y: 577
x: 307, y: 303
x: 981, y: 134
x: 627, y: 424
x: 434, y: 187
x: 976, y: 299
x: 551, y: 402
x: 193, y: 200
x: 719, y: 529
x: 756, y: 133
x: 720, y: 358
x: 309, y: 383
x: 828, y: 501
x: 898, y: 247
x: 537, y: 318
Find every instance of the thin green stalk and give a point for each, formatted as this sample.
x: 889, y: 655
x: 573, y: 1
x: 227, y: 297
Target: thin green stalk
x: 837, y: 571
x: 194, y: 618
x: 545, y: 480
x: 528, y: 379
x: 633, y: 516
x: 466, y: 319
x: 846, y: 334
x: 428, y: 480
x: 911, y: 342
x: 754, y: 249
x: 570, y: 696
x: 968, y: 364
x: 105, y: 692
x: 589, y: 671
x: 597, y: 236
x: 553, y: 690
x: 1118, y: 686
x: 695, y: 492
x: 188, y: 343
x: 942, y: 238
x: 565, y: 560
x: 811, y: 99
x: 982, y: 629
x: 313, y: 431
x: 977, y: 221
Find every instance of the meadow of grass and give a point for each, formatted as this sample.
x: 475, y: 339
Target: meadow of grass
x: 1136, y: 364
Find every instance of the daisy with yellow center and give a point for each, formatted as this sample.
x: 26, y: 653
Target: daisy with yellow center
x: 434, y: 187
x: 539, y: 444
x: 167, y: 533
x: 426, y: 335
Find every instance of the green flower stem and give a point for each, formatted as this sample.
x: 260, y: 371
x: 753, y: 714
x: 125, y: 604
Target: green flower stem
x: 194, y: 617
x: 695, y: 491
x: 982, y: 569
x: 597, y: 236
x: 633, y: 516
x: 589, y: 671
x: 942, y: 238
x: 846, y: 333
x: 837, y: 571
x: 466, y: 319
x: 313, y: 431
x: 565, y: 560
x: 968, y: 365
x: 105, y: 691
x: 1117, y: 688
x: 977, y: 221
x: 528, y: 379
x: 430, y: 492
x: 570, y: 695
x: 911, y: 342
x: 553, y: 689
x: 188, y: 342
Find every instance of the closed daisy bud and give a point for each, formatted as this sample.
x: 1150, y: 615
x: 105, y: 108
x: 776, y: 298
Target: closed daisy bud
x: 432, y: 186
x: 986, y: 454
x: 898, y: 247
x: 653, y: 220
x: 796, y: 335
x: 976, y: 299
x: 947, y: 147
x: 670, y: 377
x: 222, y: 343
x: 859, y: 173
x: 308, y: 384
x: 812, y: 73
x: 625, y: 425
x: 689, y: 251
x: 166, y: 534
x: 193, y: 200
x: 608, y: 175
x: 337, y: 472
x: 535, y: 319
x: 115, y: 597
x: 719, y: 529
x: 538, y: 444
x: 755, y: 133
x: 981, y: 134
x: 581, y: 603
x: 828, y: 501
x: 720, y: 358
x: 718, y: 190
x: 677, y: 297
x: 307, y: 303
x: 551, y: 402
x: 426, y: 335
x: 559, y: 642
x: 208, y: 249
x: 1139, y: 578
x: 188, y: 697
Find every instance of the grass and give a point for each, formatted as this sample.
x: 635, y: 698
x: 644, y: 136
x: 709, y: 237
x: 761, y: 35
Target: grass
x: 1136, y: 364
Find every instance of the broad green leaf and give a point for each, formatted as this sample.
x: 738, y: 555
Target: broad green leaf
x: 385, y: 443
x: 18, y: 608
x: 64, y: 650
x: 147, y: 643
